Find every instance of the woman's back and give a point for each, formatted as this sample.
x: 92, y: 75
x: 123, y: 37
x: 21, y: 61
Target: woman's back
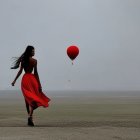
x: 30, y: 67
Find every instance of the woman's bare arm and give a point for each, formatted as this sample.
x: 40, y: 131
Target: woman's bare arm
x: 18, y: 74
x: 36, y: 75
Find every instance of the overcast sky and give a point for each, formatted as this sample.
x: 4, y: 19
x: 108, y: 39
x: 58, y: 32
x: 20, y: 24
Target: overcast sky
x: 107, y: 33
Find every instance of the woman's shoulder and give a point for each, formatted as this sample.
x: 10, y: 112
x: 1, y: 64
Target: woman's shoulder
x: 33, y: 60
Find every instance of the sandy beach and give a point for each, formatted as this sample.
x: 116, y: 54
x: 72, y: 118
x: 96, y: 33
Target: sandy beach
x: 75, y: 115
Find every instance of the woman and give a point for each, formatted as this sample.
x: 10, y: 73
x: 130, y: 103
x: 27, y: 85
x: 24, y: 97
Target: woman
x: 30, y: 84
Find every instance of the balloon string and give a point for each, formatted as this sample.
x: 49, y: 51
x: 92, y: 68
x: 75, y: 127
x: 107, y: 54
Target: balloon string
x: 72, y: 62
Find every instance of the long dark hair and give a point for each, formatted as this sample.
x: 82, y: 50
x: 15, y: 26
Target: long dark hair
x: 23, y: 59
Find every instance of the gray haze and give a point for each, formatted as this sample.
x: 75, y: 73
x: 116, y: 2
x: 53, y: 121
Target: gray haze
x: 106, y: 31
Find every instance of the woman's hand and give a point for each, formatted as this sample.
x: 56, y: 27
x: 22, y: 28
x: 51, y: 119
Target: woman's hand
x: 13, y: 83
x: 40, y: 89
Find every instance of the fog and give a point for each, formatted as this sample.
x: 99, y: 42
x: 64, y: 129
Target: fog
x: 106, y: 32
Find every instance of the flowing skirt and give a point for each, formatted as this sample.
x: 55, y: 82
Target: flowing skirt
x: 30, y: 90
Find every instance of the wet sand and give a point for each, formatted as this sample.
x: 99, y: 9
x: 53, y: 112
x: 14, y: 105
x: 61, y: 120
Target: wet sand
x: 75, y: 115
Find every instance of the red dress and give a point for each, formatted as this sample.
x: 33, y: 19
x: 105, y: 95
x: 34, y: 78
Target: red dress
x: 30, y: 90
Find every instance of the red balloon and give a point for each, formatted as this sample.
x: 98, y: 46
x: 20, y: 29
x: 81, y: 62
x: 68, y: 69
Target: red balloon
x: 72, y: 52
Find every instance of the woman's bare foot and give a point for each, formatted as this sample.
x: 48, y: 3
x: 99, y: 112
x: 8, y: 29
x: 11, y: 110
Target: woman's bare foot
x: 30, y: 121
